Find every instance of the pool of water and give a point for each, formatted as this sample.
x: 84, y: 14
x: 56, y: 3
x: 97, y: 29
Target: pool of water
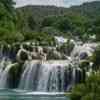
x: 7, y: 94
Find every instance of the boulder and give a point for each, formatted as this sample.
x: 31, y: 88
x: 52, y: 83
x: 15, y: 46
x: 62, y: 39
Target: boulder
x: 53, y: 54
x: 22, y: 55
x: 83, y: 55
x: 27, y: 47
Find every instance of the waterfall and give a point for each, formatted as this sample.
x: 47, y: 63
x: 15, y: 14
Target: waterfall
x: 44, y: 75
x: 29, y: 76
x: 52, y: 77
x: 5, y: 66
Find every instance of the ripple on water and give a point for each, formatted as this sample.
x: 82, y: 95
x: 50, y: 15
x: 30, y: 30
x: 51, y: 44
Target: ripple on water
x: 8, y: 94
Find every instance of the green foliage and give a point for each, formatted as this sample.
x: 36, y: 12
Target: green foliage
x: 84, y: 64
x: 91, y: 9
x: 67, y: 47
x: 13, y: 37
x: 8, y: 5
x: 77, y: 20
x: 51, y: 31
x: 15, y: 71
x: 96, y: 58
x: 41, y: 23
x: 63, y: 24
x: 9, y: 36
x: 7, y: 22
x: 31, y: 23
x: 41, y: 38
x: 90, y: 90
x: 48, y: 21
x: 96, y: 28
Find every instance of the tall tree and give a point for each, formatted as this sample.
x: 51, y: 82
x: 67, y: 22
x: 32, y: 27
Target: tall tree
x: 9, y: 4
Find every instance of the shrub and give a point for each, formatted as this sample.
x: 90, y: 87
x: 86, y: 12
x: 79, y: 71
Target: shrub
x: 90, y: 90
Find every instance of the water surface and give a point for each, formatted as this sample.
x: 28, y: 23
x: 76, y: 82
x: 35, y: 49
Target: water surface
x: 8, y: 94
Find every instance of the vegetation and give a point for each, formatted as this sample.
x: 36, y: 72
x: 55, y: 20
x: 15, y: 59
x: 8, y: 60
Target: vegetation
x: 42, y: 23
x: 10, y: 30
x: 95, y: 58
x: 81, y: 21
x: 90, y: 90
x: 67, y: 47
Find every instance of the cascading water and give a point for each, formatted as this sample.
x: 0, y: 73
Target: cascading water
x: 28, y: 76
x: 5, y: 66
x: 45, y: 75
x: 48, y: 76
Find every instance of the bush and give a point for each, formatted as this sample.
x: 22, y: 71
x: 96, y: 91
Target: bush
x: 13, y: 37
x: 67, y: 47
x: 41, y: 38
x: 90, y: 90
x: 96, y: 58
x: 51, y: 31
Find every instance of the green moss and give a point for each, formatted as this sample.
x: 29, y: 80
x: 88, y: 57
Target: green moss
x: 84, y: 64
x: 15, y: 74
x: 89, y: 90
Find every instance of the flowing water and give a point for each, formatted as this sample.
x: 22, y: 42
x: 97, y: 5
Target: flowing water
x: 8, y: 94
x: 44, y: 76
x: 41, y: 79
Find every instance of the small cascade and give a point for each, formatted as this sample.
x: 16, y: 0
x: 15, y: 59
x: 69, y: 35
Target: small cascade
x: 82, y: 52
x: 52, y: 77
x: 4, y: 72
x: 29, y: 75
x: 47, y: 76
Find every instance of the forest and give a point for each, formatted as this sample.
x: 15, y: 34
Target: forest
x: 37, y: 21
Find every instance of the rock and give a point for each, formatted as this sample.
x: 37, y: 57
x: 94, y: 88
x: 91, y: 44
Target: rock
x: 14, y: 48
x: 40, y: 50
x: 14, y: 75
x: 84, y: 64
x: 35, y: 55
x: 27, y: 47
x: 67, y: 48
x: 22, y: 56
x: 53, y: 54
x: 46, y: 50
x: 83, y: 55
x: 64, y: 57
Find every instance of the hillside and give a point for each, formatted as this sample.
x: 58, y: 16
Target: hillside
x: 38, y: 12
x: 76, y: 19
x: 41, y: 11
x: 91, y: 9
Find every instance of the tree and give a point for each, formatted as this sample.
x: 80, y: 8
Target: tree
x: 48, y: 21
x: 96, y: 28
x: 7, y: 20
x: 90, y: 90
x: 9, y: 5
x: 96, y: 58
x: 7, y: 12
x: 63, y: 24
x: 31, y: 23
